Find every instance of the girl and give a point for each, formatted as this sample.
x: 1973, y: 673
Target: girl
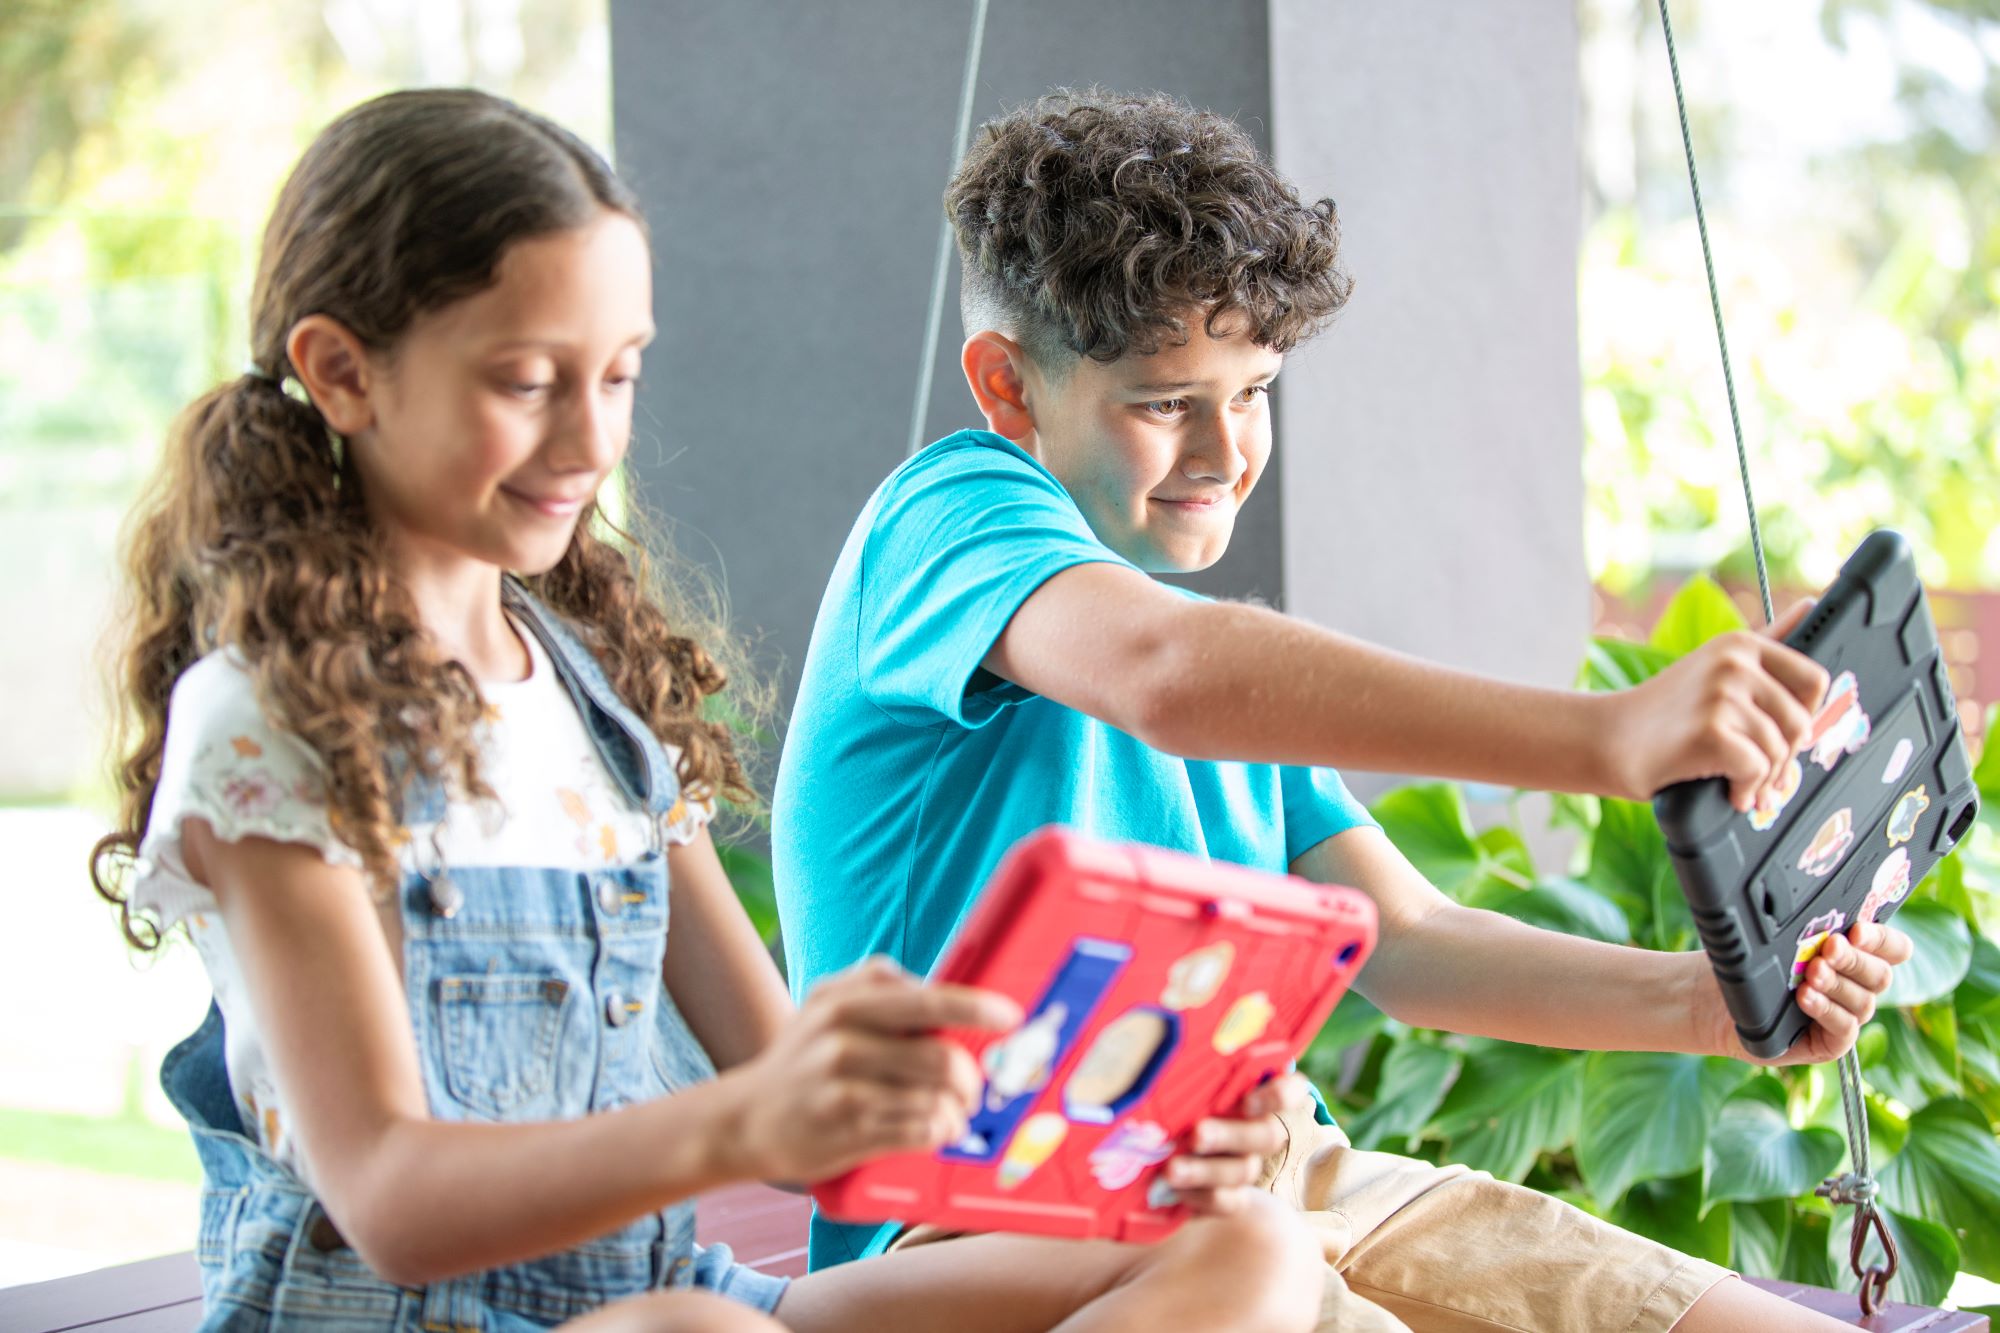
x: 426, y: 775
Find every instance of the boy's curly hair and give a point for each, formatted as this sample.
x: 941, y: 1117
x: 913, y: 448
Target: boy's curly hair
x: 1092, y: 223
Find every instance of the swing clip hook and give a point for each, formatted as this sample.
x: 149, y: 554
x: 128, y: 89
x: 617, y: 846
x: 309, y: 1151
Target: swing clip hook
x: 1859, y: 1192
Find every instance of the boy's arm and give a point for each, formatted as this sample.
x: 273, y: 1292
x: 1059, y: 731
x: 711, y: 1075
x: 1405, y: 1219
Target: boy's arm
x: 1440, y: 965
x: 1227, y: 680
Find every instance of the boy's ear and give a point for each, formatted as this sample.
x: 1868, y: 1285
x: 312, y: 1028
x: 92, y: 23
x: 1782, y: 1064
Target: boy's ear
x: 995, y: 366
x: 333, y: 366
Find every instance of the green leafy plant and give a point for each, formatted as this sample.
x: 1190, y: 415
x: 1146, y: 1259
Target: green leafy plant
x: 1715, y: 1157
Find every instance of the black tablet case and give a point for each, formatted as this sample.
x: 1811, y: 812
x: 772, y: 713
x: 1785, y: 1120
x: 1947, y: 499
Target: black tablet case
x: 1760, y: 896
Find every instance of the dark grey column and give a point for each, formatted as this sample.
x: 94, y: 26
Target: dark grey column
x: 792, y: 157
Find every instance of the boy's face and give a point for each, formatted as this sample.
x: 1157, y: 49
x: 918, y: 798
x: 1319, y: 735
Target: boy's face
x: 1160, y: 451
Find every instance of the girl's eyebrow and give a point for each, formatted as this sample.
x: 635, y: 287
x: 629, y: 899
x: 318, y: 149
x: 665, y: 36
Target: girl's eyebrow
x: 639, y: 338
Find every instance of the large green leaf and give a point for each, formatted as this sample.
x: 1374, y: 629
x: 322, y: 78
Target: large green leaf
x: 750, y: 874
x: 1949, y: 1173
x: 1927, y: 1259
x: 1619, y: 664
x: 1978, y: 996
x: 1429, y: 824
x: 1510, y: 1104
x: 1758, y: 1233
x: 1670, y: 1211
x: 1754, y: 1153
x: 1943, y: 954
x: 1917, y: 1058
x: 1805, y: 1256
x: 1647, y: 1115
x: 1569, y: 907
x: 1987, y: 772
x: 1629, y: 864
x: 1413, y: 1081
x: 1698, y: 612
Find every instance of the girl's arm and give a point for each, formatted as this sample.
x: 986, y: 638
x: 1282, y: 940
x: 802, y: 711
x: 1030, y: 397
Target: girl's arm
x: 1228, y: 680
x: 1437, y: 964
x: 421, y: 1199
x: 718, y: 971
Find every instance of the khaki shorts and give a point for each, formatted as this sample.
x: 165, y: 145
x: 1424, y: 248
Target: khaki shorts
x: 1411, y: 1246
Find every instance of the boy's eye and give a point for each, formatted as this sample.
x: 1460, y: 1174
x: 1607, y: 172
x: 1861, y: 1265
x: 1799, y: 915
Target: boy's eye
x: 1251, y: 394
x: 1167, y: 407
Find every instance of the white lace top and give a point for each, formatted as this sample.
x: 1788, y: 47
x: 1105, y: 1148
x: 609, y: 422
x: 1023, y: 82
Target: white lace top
x: 558, y: 806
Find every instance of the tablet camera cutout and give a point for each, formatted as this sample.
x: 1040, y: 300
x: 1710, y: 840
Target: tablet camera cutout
x: 1123, y: 1062
x: 1960, y: 825
x: 1346, y: 954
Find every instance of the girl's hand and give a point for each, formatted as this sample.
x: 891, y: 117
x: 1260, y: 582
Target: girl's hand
x: 1738, y: 707
x: 1839, y: 992
x: 1225, y: 1157
x: 858, y: 1073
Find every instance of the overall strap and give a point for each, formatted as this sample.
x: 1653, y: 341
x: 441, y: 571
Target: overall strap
x: 630, y: 750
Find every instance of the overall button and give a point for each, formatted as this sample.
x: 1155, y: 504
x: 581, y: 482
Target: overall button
x: 610, y: 895
x: 618, y: 1011
x: 446, y: 896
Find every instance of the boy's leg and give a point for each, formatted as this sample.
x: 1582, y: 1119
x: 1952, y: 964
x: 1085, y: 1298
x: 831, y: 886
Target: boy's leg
x: 1256, y: 1271
x: 1450, y: 1249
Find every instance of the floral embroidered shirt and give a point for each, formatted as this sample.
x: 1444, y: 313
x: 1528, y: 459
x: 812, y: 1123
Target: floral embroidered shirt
x: 557, y: 807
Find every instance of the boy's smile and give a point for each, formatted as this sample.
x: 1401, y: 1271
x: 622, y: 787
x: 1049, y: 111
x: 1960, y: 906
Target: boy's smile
x: 1159, y: 451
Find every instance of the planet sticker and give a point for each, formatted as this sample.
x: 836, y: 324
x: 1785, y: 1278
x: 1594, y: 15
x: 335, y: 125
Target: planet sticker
x: 1829, y: 845
x: 1840, y: 727
x: 1038, y: 1140
x: 1161, y: 1195
x: 1244, y: 1023
x: 1891, y: 885
x: 1128, y: 1151
x: 1903, y: 819
x: 1772, y: 803
x: 1899, y: 760
x: 1810, y: 939
x: 1195, y: 978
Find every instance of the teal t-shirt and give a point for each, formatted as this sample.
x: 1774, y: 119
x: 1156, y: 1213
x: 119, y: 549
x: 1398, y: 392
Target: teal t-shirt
x: 909, y: 771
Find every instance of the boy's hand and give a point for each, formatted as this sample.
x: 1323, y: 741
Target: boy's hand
x: 1225, y: 1157
x: 1838, y: 992
x: 1738, y: 707
x: 858, y: 1073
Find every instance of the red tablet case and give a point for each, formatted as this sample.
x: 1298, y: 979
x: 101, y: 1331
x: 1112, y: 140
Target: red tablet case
x: 1209, y: 977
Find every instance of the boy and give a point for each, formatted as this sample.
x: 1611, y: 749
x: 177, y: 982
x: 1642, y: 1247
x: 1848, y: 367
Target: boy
x: 992, y: 656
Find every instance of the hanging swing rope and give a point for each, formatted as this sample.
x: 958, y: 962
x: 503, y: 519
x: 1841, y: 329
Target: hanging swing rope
x: 920, y: 409
x: 1857, y: 1187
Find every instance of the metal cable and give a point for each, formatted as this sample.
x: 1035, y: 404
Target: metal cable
x: 920, y: 409
x: 1858, y: 1186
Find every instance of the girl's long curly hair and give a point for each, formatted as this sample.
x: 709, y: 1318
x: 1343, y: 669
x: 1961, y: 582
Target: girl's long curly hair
x: 253, y: 534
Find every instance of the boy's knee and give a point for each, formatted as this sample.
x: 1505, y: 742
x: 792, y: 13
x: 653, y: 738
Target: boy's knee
x: 1277, y: 1259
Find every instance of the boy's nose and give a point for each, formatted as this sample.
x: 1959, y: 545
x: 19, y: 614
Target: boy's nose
x: 1217, y: 456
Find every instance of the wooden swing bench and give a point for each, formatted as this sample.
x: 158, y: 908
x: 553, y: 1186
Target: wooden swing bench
x: 766, y: 1228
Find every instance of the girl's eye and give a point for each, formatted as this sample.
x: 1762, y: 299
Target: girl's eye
x: 524, y: 389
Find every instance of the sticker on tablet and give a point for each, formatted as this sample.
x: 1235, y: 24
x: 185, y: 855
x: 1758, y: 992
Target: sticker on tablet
x: 1244, y: 1023
x: 1829, y: 845
x: 1160, y: 1194
x: 1771, y: 804
x: 1810, y: 939
x: 1128, y: 1151
x: 1899, y: 760
x: 1840, y: 727
x: 1903, y: 819
x: 1891, y: 885
x: 1020, y: 1063
x: 1037, y: 1141
x: 1123, y: 1060
x: 1193, y: 980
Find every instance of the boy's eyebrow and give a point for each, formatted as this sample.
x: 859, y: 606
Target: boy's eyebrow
x: 1181, y: 386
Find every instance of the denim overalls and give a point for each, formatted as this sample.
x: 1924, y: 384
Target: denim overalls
x: 536, y: 994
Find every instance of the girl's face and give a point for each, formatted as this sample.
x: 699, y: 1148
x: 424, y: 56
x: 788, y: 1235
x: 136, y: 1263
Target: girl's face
x: 493, y: 420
